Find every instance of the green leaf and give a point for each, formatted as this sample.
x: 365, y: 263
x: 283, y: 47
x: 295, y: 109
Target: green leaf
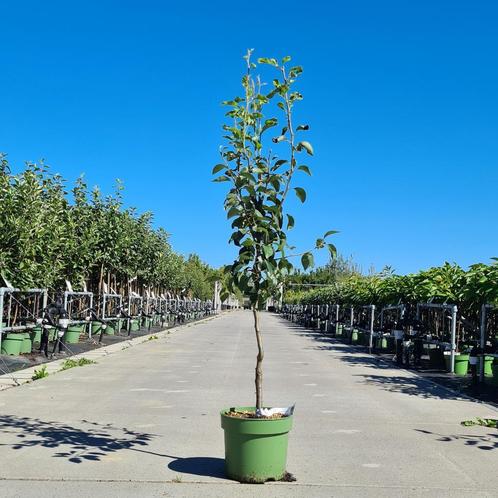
x: 286, y: 59
x: 303, y: 128
x: 222, y: 178
x: 332, y: 250
x: 330, y: 232
x: 290, y: 221
x: 306, y: 146
x: 307, y: 260
x: 218, y: 168
x: 305, y: 169
x: 233, y: 211
x: 301, y: 193
x: 266, y: 60
x: 269, y: 123
x: 268, y: 251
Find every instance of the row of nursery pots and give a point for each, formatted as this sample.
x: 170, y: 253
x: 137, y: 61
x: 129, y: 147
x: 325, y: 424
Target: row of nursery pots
x: 437, y: 358
x: 16, y: 343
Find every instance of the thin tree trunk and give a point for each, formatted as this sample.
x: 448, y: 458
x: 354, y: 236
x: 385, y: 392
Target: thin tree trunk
x: 259, y: 362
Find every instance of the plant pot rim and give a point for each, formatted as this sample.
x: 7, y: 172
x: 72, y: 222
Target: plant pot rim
x: 261, y: 426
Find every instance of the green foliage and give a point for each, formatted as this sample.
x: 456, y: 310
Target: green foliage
x: 81, y: 362
x: 41, y: 373
x: 50, y: 233
x: 260, y: 180
x: 446, y: 284
x: 492, y: 423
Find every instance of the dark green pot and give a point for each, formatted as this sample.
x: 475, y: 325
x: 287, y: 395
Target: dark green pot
x: 493, y: 380
x: 255, y: 449
x: 436, y: 358
x: 12, y: 344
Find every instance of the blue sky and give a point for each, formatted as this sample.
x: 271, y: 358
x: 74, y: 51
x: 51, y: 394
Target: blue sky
x: 401, y: 98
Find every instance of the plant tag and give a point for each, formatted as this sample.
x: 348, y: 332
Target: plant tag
x: 268, y: 412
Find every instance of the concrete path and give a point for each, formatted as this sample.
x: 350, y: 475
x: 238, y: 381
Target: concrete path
x: 145, y: 422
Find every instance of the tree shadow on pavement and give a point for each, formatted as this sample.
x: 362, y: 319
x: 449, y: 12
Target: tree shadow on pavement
x: 484, y: 442
x: 364, y: 361
x: 412, y: 386
x: 88, y: 443
x: 200, y: 466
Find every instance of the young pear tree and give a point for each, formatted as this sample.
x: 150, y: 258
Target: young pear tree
x: 260, y: 172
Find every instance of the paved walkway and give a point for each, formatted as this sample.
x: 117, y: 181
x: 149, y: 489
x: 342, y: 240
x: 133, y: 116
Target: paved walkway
x: 145, y: 422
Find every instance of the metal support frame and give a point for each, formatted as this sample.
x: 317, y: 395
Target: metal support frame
x: 370, y: 307
x: 483, y: 331
x: 454, y: 310
x: 400, y: 307
x: 69, y: 294
x: 4, y: 291
x: 105, y: 297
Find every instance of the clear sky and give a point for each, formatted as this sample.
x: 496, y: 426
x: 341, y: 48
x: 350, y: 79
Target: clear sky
x: 401, y: 98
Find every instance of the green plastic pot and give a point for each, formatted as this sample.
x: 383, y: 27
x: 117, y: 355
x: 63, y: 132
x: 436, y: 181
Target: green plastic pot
x: 27, y: 344
x: 354, y: 337
x: 36, y: 334
x: 72, y: 335
x: 12, y: 344
x: 51, y: 333
x: 488, y: 364
x: 390, y: 344
x: 493, y: 380
x: 97, y: 328
x: 461, y: 364
x: 134, y: 325
x: 255, y: 449
x: 338, y: 330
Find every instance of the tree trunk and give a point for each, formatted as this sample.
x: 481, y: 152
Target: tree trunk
x: 259, y: 362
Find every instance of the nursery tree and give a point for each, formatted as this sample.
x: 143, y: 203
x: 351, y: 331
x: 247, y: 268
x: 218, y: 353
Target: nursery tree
x: 47, y: 237
x: 260, y: 173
